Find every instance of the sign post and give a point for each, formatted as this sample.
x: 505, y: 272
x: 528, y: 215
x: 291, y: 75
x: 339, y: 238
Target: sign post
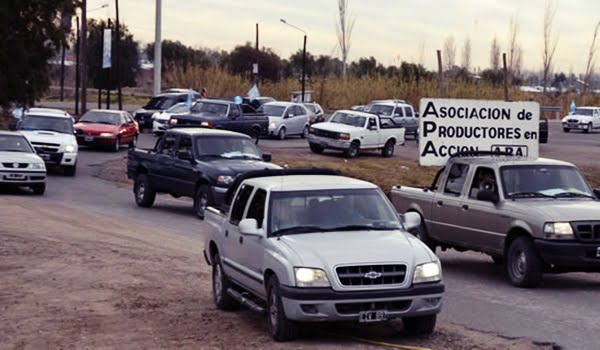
x: 449, y: 126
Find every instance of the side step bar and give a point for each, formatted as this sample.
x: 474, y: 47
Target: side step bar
x: 245, y: 301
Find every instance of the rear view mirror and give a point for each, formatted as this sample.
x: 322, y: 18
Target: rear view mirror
x: 412, y: 221
x: 267, y: 157
x: 488, y: 196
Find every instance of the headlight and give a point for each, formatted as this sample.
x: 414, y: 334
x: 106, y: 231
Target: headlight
x: 69, y: 148
x: 224, y: 180
x: 107, y: 134
x: 558, y: 230
x: 172, y: 121
x: 428, y: 272
x: 307, y: 277
x: 345, y: 137
x: 37, y: 166
x: 155, y: 114
x: 273, y: 125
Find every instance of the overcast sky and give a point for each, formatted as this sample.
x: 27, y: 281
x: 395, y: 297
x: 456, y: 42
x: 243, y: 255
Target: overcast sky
x: 389, y: 30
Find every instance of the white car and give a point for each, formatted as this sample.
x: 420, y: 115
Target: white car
x: 19, y: 165
x: 160, y: 120
x: 352, y: 131
x: 286, y: 118
x: 53, y: 137
x: 586, y: 119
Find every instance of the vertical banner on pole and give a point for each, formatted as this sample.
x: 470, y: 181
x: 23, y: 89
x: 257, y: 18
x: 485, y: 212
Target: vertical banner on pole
x: 106, y: 49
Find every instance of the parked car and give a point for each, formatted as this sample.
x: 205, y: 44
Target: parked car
x: 312, y: 246
x: 286, y: 119
x: 19, y: 165
x: 223, y: 114
x: 315, y: 112
x: 108, y: 128
x: 182, y: 91
x: 34, y: 110
x: 52, y: 136
x: 536, y: 216
x: 158, y: 104
x: 160, y: 122
x: 586, y: 119
x: 353, y: 131
x: 402, y: 113
x: 193, y: 162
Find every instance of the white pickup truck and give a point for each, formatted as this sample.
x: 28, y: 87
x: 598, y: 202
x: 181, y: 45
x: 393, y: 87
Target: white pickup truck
x: 353, y: 131
x: 308, y: 245
x: 586, y: 119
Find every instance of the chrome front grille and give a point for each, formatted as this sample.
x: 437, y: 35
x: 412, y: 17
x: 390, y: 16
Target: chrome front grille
x: 15, y: 165
x: 325, y: 133
x: 41, y: 147
x: 369, y: 275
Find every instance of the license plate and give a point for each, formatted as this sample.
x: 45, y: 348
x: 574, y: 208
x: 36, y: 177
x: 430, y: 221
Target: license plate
x: 372, y: 316
x: 89, y: 138
x: 15, y: 176
x: 44, y: 156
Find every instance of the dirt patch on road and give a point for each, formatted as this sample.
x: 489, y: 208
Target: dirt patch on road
x: 73, y: 280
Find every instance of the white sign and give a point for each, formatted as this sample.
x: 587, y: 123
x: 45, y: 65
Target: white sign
x: 254, y: 68
x: 106, y: 49
x: 449, y: 126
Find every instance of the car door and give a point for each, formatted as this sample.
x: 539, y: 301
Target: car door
x: 479, y: 219
x: 131, y: 125
x: 399, y: 118
x: 596, y: 119
x: 231, y: 257
x: 250, y: 248
x: 446, y: 206
x: 301, y: 118
x: 372, y: 134
x: 184, y: 176
x: 288, y: 119
x: 165, y: 160
x: 124, y: 130
x: 235, y: 122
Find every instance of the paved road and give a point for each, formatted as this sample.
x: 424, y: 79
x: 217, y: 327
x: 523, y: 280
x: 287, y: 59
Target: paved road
x: 565, y: 310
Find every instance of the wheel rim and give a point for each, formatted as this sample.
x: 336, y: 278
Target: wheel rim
x: 353, y: 151
x: 282, y: 134
x: 305, y: 132
x: 518, y: 263
x: 141, y: 190
x: 273, y: 313
x: 589, y: 128
x: 202, y: 204
x: 218, y: 283
x: 117, y: 145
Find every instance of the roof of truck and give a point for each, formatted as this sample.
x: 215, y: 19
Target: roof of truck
x: 507, y: 160
x: 288, y: 183
x: 205, y: 132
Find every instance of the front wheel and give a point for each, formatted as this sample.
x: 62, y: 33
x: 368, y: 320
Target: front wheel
x: 304, y: 132
x: 423, y: 236
x: 388, y: 149
x: 589, y: 129
x: 202, y: 200
x: 280, y: 327
x: 422, y: 325
x: 566, y: 129
x: 117, y: 145
x: 316, y: 148
x: 352, y: 152
x: 70, y: 170
x: 524, y: 266
x: 144, y: 194
x: 281, y: 134
x: 39, y: 189
x: 133, y: 142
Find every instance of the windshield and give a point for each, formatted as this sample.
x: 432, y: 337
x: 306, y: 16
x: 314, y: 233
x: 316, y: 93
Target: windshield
x: 56, y: 124
x: 584, y: 111
x: 179, y: 108
x: 160, y: 102
x: 14, y: 143
x: 381, y: 109
x: 100, y: 118
x: 348, y: 119
x: 273, y: 111
x: 544, y: 181
x: 227, y: 147
x: 331, y: 210
x: 209, y: 107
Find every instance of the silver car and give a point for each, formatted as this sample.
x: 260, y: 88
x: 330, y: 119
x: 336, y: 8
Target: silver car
x: 286, y: 118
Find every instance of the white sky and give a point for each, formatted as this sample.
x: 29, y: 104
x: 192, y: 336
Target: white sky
x: 389, y: 30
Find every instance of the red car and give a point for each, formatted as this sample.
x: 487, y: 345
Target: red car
x: 101, y: 127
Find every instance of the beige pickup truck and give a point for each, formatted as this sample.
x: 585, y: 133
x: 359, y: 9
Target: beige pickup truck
x: 535, y: 216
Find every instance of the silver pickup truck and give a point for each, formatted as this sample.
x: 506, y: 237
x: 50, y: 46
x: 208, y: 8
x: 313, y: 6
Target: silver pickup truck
x: 534, y: 216
x: 313, y: 246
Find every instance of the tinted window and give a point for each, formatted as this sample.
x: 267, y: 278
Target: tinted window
x: 300, y: 111
x: 348, y: 119
x: 227, y: 147
x: 456, y: 179
x: 273, y: 111
x: 398, y: 112
x: 408, y: 111
x: 210, y: 107
x: 14, y: 143
x: 161, y: 102
x: 256, y: 210
x: 239, y: 204
x: 381, y: 109
x: 543, y: 180
x: 185, y: 143
x: 167, y: 145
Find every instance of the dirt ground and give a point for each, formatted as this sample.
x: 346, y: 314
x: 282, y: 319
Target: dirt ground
x: 71, y: 280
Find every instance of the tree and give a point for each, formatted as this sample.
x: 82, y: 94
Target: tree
x: 466, y: 55
x: 174, y: 53
x: 129, y: 56
x: 550, y: 40
x: 344, y: 27
x: 326, y: 65
x: 30, y: 35
x: 364, y: 67
x: 591, y: 59
x: 243, y: 56
x: 296, y: 62
x: 495, y: 54
x: 514, y: 49
x: 449, y: 53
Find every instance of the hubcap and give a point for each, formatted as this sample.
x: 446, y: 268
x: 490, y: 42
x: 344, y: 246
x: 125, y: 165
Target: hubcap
x: 282, y: 134
x: 218, y: 284
x: 202, y: 203
x: 141, y: 191
x: 519, y: 263
x: 273, y: 309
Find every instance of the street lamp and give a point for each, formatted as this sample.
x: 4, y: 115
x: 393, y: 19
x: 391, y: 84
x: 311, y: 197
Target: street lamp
x: 303, y: 55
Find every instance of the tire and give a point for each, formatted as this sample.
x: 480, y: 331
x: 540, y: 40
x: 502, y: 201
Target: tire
x: 202, y: 199
x: 388, y: 149
x: 498, y: 260
x: 143, y: 192
x: 70, y: 170
x: 417, y: 134
x: 256, y: 136
x: 133, y: 142
x: 39, y: 189
x: 280, y: 327
x: 589, y: 129
x: 353, y: 151
x: 117, y: 145
x: 523, y: 266
x: 422, y: 325
x: 281, y: 134
x: 423, y: 236
x: 221, y: 284
x: 316, y: 148
x: 304, y: 132
x: 566, y: 129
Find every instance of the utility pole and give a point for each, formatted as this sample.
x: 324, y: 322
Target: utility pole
x: 303, y: 68
x: 108, y: 82
x: 157, y: 49
x: 118, y: 58
x: 83, y: 56
x: 257, y: 57
x: 77, y: 70
x: 440, y: 73
x: 505, y: 77
x: 62, y: 73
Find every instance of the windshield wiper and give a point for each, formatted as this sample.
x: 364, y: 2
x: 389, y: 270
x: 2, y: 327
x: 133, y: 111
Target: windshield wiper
x: 362, y: 227
x: 530, y: 194
x: 244, y: 156
x: 212, y: 156
x: 574, y: 195
x: 297, y: 229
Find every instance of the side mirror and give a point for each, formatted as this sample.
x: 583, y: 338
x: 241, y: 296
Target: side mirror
x: 267, y: 157
x: 488, y: 196
x: 597, y: 193
x: 249, y: 227
x: 412, y: 221
x: 185, y: 155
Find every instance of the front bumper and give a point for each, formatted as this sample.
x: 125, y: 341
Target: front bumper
x: 570, y: 256
x: 96, y: 140
x: 59, y: 158
x: 572, y: 126
x: 22, y: 178
x: 325, y: 304
x: 328, y: 143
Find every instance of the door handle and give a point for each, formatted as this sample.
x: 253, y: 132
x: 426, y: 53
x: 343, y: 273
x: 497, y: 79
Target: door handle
x: 440, y: 203
x: 226, y: 233
x: 465, y: 207
x: 241, y: 239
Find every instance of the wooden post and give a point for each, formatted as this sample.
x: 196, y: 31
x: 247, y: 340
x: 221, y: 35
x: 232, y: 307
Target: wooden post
x: 505, y: 77
x: 440, y: 73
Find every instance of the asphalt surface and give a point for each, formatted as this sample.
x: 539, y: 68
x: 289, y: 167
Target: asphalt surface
x: 564, y: 310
